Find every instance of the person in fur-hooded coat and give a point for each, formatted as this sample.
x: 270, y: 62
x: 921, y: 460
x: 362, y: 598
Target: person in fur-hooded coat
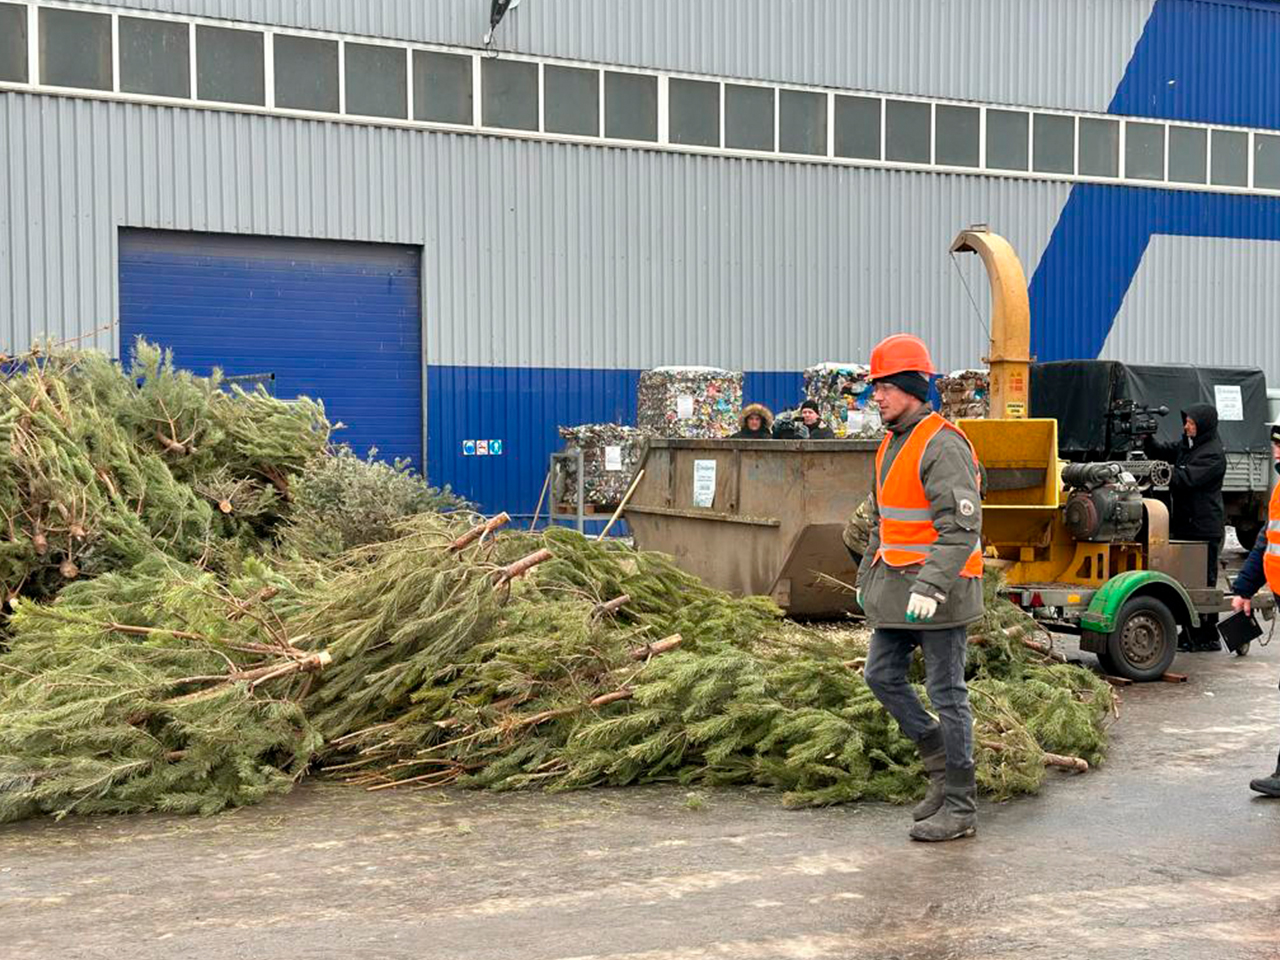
x: 756, y: 423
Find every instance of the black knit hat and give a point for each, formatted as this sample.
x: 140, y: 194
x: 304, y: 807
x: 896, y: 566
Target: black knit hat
x: 810, y: 405
x: 909, y: 381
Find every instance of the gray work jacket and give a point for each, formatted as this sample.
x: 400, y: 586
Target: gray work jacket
x: 955, y: 507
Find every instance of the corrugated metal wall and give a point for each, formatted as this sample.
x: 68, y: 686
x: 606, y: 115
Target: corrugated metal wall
x: 553, y: 273
x: 1049, y: 53
x: 1183, y: 306
x: 536, y: 255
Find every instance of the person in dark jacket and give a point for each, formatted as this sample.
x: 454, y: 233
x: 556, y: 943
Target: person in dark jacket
x: 756, y: 423
x: 1197, y: 511
x: 1262, y: 568
x: 812, y: 418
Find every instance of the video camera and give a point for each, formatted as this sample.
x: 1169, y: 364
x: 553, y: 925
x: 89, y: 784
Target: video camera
x: 1129, y: 423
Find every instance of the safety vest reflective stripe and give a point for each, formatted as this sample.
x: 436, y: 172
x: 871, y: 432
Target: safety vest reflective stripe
x: 925, y: 549
x: 907, y: 514
x: 1271, y: 559
x: 907, y: 533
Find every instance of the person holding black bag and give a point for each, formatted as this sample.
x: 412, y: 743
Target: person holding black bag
x: 1263, y: 568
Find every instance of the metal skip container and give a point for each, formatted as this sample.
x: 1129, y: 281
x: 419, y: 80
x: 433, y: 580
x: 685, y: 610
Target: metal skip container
x: 760, y: 517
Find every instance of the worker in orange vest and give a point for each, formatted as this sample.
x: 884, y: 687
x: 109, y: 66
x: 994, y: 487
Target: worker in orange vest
x: 920, y: 580
x: 1263, y: 567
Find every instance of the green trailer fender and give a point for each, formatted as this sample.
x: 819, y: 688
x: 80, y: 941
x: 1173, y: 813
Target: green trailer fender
x: 1106, y: 603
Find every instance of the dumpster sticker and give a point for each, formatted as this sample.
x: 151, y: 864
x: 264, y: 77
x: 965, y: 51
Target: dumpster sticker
x: 1226, y: 397
x: 704, y: 483
x: 613, y: 458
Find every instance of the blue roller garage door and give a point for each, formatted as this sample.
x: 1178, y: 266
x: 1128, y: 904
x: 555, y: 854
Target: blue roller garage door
x: 333, y: 320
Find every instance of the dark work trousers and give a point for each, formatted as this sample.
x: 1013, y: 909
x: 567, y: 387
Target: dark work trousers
x: 944, y: 652
x: 1209, y: 621
x: 1215, y: 551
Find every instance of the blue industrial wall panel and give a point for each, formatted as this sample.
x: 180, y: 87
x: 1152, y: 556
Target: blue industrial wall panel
x: 1190, y: 53
x: 337, y: 321
x: 1210, y: 61
x: 1085, y: 272
x: 522, y: 407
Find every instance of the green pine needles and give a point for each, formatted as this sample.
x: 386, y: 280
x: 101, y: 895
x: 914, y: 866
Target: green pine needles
x: 206, y: 602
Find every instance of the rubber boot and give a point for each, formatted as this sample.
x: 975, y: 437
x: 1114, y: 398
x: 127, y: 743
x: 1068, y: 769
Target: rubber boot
x: 1269, y: 786
x: 1204, y: 637
x: 958, y: 816
x: 934, y: 757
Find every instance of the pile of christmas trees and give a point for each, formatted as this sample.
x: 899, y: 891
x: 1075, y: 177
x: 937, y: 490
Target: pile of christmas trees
x: 102, y: 467
x: 223, y: 632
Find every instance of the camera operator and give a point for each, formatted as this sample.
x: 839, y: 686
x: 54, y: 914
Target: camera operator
x: 1197, y: 511
x: 1263, y: 567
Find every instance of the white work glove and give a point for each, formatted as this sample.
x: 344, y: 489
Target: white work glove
x: 1242, y: 603
x: 920, y: 607
x: 857, y: 595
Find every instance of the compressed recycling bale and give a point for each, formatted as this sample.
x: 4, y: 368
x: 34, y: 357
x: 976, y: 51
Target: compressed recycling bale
x: 842, y: 392
x: 610, y: 455
x: 965, y: 394
x: 689, y: 402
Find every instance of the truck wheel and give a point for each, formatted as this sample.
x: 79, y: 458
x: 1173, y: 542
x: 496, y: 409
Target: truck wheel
x: 1106, y: 663
x: 1247, y: 533
x: 1144, y: 641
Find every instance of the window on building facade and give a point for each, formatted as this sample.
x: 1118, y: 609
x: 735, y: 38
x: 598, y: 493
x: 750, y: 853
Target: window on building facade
x: 229, y: 65
x: 631, y: 106
x: 857, y: 133
x: 1053, y: 143
x: 1230, y: 165
x: 802, y: 122
x: 908, y: 133
x: 748, y: 117
x: 75, y: 49
x: 572, y: 100
x: 509, y: 94
x: 1007, y: 140
x: 956, y: 135
x: 155, y: 57
x: 1266, y: 161
x: 1188, y: 154
x: 1144, y: 151
x: 13, y: 43
x: 693, y: 112
x: 442, y: 87
x: 1099, y: 148
x: 375, y: 81
x: 306, y: 73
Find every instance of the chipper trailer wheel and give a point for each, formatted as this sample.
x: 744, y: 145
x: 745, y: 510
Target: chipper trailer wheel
x: 1145, y: 639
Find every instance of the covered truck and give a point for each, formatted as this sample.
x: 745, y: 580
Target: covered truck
x: 1104, y: 408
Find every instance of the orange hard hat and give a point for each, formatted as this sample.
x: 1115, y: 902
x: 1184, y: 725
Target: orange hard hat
x: 900, y: 353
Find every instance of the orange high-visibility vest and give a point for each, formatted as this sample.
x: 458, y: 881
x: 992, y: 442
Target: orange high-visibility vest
x: 1271, y: 559
x: 907, y: 533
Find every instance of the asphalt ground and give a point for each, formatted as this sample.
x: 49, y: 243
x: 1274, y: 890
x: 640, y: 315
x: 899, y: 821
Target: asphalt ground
x: 1162, y: 852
